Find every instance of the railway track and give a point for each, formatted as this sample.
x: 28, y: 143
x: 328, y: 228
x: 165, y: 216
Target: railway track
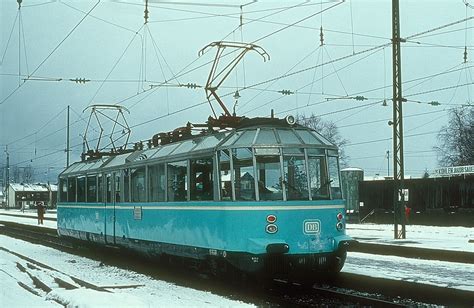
x: 346, y: 289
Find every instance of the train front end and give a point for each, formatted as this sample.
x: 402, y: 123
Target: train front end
x: 286, y: 181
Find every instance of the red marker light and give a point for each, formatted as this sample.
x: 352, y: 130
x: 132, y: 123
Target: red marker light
x: 340, y: 216
x: 271, y: 219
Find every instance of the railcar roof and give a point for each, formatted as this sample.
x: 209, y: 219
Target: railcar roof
x: 261, y: 136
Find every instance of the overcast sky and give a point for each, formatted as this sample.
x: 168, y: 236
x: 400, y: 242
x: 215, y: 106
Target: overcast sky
x: 46, y: 43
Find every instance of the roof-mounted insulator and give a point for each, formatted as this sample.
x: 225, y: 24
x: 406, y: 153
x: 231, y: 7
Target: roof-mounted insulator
x: 360, y: 98
x: 321, y: 36
x: 80, y: 80
x: 434, y: 103
x: 286, y: 92
x: 146, y: 12
x: 241, y: 17
x: 190, y: 85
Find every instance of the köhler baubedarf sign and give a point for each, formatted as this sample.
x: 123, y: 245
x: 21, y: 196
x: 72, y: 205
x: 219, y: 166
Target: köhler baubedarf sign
x: 453, y: 171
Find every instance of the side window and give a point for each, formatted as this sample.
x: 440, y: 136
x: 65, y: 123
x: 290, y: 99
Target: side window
x: 244, y: 175
x: 269, y: 178
x: 178, y: 181
x: 63, y: 190
x: 224, y: 167
x: 100, y: 188
x: 117, y: 186
x: 334, y: 181
x: 318, y: 179
x: 126, y: 185
x: 138, y: 184
x: 81, y: 189
x: 156, y: 182
x: 71, y: 188
x: 108, y: 189
x: 296, y: 179
x: 91, y: 188
x: 201, y: 186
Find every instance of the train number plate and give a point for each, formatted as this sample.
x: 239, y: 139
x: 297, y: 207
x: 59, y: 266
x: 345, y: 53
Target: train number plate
x: 311, y: 226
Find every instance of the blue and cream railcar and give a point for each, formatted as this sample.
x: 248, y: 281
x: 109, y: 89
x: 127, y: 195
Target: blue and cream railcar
x: 261, y: 198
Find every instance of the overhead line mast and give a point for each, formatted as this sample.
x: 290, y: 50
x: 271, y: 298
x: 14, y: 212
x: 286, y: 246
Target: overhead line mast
x: 398, y: 163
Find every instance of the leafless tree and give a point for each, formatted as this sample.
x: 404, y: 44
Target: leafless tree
x: 28, y: 174
x: 456, y: 139
x: 329, y: 130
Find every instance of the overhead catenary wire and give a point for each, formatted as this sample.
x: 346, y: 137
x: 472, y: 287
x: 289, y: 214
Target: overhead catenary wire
x: 9, y: 37
x: 51, y: 53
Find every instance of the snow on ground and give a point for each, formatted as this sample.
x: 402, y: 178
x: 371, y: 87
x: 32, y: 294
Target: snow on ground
x: 145, y: 291
x: 438, y: 273
x: 434, y: 237
x: 29, y: 219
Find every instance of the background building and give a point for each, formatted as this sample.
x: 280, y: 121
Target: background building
x: 24, y: 196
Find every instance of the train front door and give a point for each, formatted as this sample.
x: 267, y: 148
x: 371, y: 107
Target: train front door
x: 112, y: 184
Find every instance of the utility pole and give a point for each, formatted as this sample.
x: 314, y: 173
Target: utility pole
x: 398, y: 165
x: 388, y: 163
x: 67, y: 139
x: 7, y: 176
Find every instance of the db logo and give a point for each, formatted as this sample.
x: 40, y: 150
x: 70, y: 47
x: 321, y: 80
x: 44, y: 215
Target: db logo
x: 312, y: 226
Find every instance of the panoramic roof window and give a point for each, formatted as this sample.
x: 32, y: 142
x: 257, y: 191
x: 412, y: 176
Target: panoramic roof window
x: 288, y: 137
x: 246, y: 138
x: 232, y: 138
x: 308, y: 137
x: 207, y: 143
x: 185, y: 146
x: 266, y: 136
x: 167, y: 149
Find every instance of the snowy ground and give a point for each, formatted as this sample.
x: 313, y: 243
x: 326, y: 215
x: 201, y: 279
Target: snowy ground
x: 127, y: 289
x: 444, y: 238
x: 438, y: 273
x: 157, y: 293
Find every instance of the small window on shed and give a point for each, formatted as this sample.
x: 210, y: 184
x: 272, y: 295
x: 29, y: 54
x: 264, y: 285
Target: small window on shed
x: 63, y: 190
x: 71, y: 188
x: 91, y: 188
